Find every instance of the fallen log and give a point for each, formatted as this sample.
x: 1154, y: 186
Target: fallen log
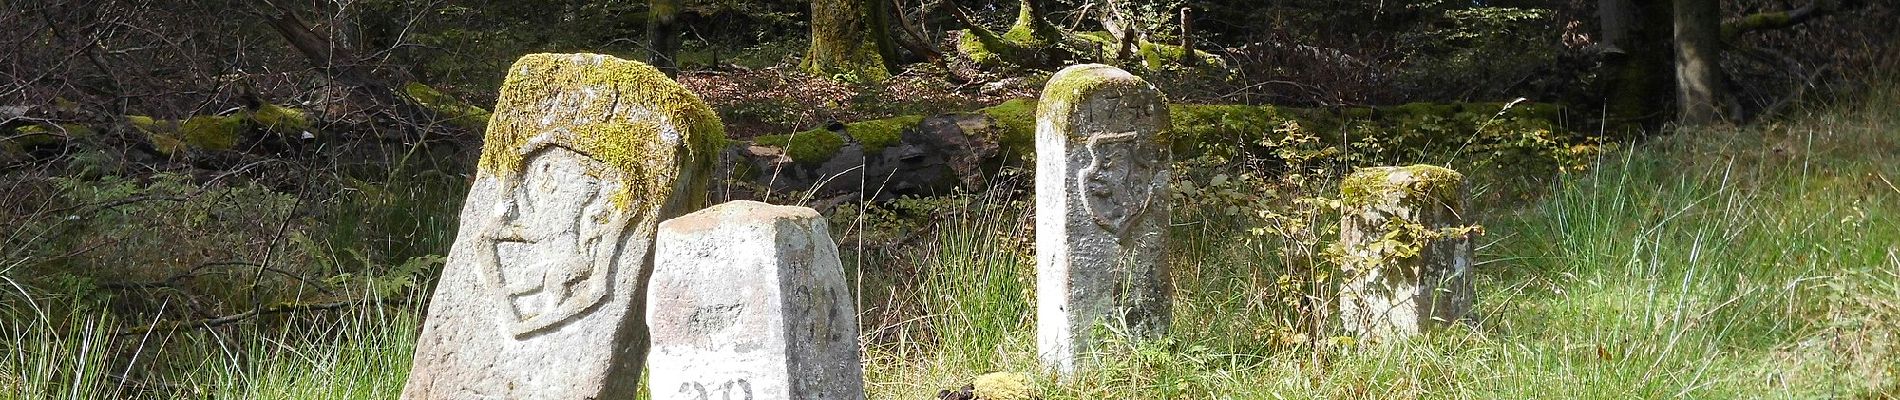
x: 931, y: 155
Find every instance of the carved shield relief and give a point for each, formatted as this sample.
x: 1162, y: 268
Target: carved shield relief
x: 559, y: 234
x: 1119, y: 182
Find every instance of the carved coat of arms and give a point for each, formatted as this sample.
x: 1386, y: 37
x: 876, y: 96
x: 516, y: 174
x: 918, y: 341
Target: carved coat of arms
x: 566, y: 236
x: 1121, y: 180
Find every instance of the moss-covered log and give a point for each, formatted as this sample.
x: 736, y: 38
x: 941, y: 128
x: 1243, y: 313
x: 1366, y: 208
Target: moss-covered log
x: 448, y: 108
x: 922, y: 155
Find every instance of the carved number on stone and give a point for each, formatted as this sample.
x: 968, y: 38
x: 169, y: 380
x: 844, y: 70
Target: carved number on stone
x: 697, y: 391
x: 557, y: 208
x: 1118, y: 183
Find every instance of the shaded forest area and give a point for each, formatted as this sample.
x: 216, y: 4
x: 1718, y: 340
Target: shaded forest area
x: 199, y: 167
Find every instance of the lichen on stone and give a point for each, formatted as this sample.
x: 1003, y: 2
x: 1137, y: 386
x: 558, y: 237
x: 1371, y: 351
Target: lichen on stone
x: 625, y: 114
x: 1002, y: 386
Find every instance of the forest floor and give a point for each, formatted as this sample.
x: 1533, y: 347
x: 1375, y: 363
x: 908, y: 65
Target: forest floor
x: 1727, y: 262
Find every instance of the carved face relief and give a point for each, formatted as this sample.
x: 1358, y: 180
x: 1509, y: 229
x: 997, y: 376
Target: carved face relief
x: 562, y: 235
x: 1119, y: 182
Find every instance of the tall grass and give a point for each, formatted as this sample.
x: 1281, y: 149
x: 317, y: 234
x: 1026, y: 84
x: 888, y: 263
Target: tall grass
x: 1756, y: 262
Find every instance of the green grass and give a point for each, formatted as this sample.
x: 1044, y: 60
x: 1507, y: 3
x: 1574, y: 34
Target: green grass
x: 1755, y: 262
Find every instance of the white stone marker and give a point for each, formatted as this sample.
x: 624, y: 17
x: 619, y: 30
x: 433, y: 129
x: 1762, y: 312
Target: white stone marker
x: 1101, y: 210
x: 542, y: 293
x: 749, y: 302
x: 1401, y: 278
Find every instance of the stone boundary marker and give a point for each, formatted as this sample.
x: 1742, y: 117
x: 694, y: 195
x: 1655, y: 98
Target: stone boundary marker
x: 1102, y: 163
x: 542, y: 293
x: 748, y: 301
x: 1406, y: 268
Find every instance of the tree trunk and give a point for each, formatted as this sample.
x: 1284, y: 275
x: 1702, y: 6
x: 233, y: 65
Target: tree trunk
x: 1637, y: 78
x: 1187, y: 38
x: 914, y: 40
x: 663, y: 36
x: 1119, y: 28
x: 1032, y: 28
x: 1698, y: 61
x: 839, y: 48
x: 878, y: 15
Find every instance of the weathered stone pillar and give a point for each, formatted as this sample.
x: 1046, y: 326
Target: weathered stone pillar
x: 542, y: 293
x: 1101, y: 211
x: 1406, y: 251
x: 749, y: 302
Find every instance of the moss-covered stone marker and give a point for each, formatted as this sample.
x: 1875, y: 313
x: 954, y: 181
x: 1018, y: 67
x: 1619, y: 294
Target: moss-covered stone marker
x: 543, y: 293
x: 1406, y: 253
x: 749, y: 301
x: 1102, y: 164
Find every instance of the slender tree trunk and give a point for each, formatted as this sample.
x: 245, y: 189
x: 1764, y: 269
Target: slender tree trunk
x: 1698, y: 61
x: 1187, y: 38
x: 914, y: 40
x: 878, y: 16
x: 1119, y: 28
x: 839, y: 46
x: 663, y: 36
x: 1638, y: 81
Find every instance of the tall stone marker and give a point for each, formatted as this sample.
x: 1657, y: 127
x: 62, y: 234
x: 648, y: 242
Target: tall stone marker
x: 749, y: 303
x: 1102, y: 164
x: 1407, y: 267
x: 542, y: 293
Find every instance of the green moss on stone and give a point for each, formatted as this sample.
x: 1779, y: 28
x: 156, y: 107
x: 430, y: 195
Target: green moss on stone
x: 1368, y: 185
x: 625, y: 114
x: 813, y: 146
x: 1015, y: 126
x: 1061, y: 95
x: 876, y: 135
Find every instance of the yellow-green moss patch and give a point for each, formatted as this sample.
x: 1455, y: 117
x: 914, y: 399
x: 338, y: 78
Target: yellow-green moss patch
x: 813, y: 146
x: 280, y: 119
x: 876, y: 135
x: 212, y: 132
x: 451, y: 109
x: 1426, y: 182
x: 625, y: 114
x: 40, y: 135
x: 162, y: 134
x: 1016, y: 126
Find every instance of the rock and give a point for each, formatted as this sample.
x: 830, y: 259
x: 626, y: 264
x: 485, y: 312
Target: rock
x: 993, y: 386
x: 543, y: 291
x: 1407, y: 255
x: 748, y: 301
x: 1101, y: 211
